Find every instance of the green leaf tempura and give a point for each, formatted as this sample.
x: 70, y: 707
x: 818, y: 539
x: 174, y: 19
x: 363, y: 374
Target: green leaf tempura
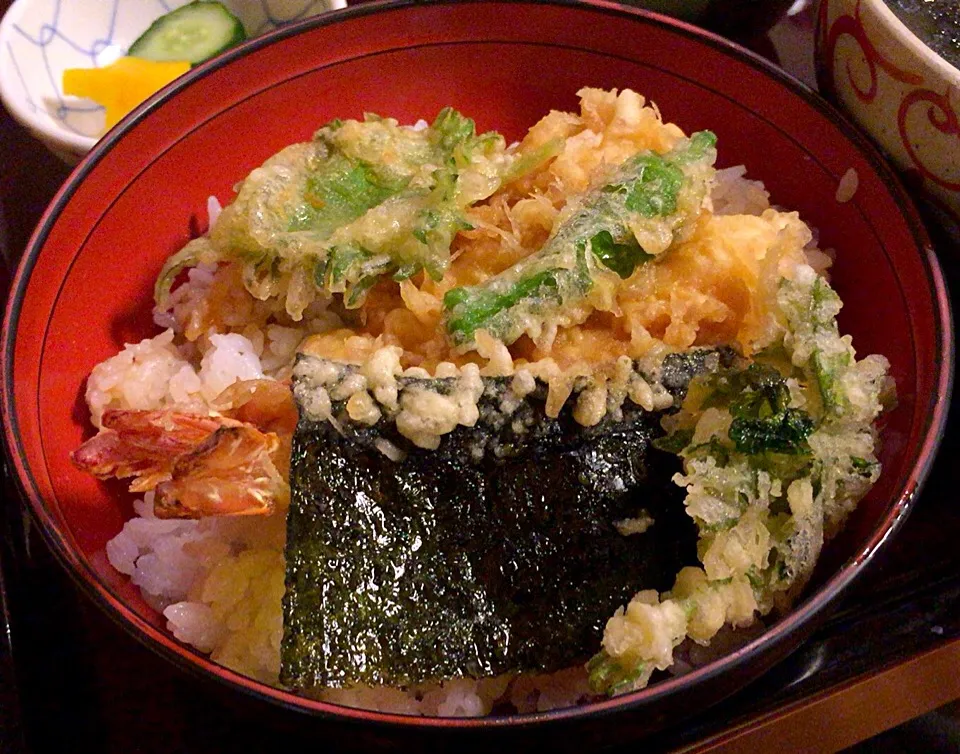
x: 650, y: 202
x: 362, y: 201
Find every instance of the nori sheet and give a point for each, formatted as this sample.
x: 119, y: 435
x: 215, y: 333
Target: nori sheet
x: 496, y: 552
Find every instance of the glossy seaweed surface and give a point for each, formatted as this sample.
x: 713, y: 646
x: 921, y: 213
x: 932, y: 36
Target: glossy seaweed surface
x: 495, y: 552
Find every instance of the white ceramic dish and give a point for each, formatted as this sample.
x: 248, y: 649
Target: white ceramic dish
x: 41, y: 38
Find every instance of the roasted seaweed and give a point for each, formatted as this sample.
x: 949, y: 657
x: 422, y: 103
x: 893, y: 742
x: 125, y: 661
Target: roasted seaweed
x: 499, y: 551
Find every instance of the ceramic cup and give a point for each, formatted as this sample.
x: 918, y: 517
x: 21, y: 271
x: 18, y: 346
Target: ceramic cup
x: 900, y: 91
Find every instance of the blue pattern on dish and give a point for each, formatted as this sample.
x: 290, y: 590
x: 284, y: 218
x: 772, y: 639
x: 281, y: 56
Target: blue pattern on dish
x: 23, y: 82
x: 50, y: 33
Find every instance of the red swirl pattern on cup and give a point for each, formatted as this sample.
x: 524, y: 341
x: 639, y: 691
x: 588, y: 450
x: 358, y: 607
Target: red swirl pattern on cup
x: 852, y: 25
x: 942, y: 116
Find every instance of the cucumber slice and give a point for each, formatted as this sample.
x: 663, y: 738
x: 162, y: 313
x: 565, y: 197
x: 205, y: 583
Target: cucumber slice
x: 194, y: 32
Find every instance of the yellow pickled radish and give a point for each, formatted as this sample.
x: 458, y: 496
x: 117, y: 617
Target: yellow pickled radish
x: 123, y: 84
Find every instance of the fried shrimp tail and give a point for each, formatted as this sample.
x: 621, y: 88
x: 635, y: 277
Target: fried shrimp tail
x: 143, y: 444
x: 266, y: 404
x: 231, y: 473
x: 200, y: 465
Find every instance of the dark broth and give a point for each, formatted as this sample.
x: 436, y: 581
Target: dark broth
x: 936, y: 22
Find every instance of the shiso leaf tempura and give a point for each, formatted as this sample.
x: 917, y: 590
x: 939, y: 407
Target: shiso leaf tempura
x: 437, y: 425
x: 650, y: 203
x: 364, y: 200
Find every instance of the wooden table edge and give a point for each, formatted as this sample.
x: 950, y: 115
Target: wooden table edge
x: 850, y: 712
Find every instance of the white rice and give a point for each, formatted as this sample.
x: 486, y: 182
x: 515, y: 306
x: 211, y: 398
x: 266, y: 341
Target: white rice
x: 230, y: 358
x: 735, y: 194
x: 847, y: 186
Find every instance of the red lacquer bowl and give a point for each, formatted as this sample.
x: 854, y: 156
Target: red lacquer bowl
x: 84, y: 287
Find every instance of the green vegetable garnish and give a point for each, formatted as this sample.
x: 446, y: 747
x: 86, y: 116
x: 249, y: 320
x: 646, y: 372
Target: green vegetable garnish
x: 193, y: 32
x: 363, y: 201
x: 622, y: 258
x: 652, y: 192
x: 486, y: 304
x: 762, y: 420
x: 786, y: 432
x: 338, y: 191
x: 613, y: 676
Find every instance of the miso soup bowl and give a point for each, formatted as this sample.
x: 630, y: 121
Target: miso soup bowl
x: 901, y: 92
x: 84, y: 286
